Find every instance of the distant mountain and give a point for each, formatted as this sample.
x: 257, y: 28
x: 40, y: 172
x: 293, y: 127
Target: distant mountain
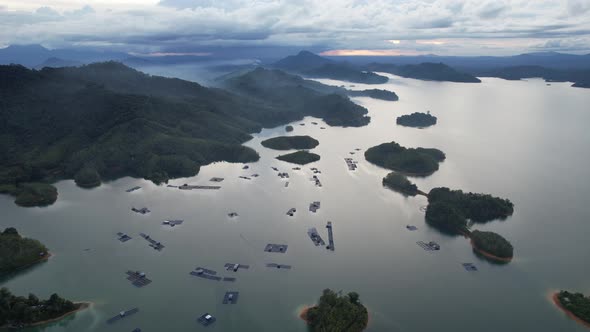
x: 33, y: 55
x: 58, y: 63
x: 303, y: 61
x: 425, y: 71
x: 580, y: 77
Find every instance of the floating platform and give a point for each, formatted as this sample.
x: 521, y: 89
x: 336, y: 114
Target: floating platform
x: 143, y: 210
x: 296, y: 168
x: 330, y: 236
x: 130, y: 190
x: 206, y: 319
x: 153, y: 243
x: 316, y: 181
x: 245, y: 167
x: 469, y: 267
x: 122, y: 315
x: 205, y: 274
x: 411, y: 227
x: 235, y: 267
x: 229, y: 279
x: 271, y: 247
x: 283, y: 175
x: 136, y: 330
x: 275, y: 169
x: 322, y: 128
x: 430, y: 246
x: 315, y: 170
x: 315, y: 237
x: 216, y: 179
x: 123, y: 237
x: 231, y: 297
x: 279, y: 266
x: 172, y: 223
x: 138, y: 279
x: 245, y: 178
x: 314, y: 206
x: 255, y: 175
x: 302, y: 124
x: 351, y: 164
x: 286, y: 184
x: 233, y: 214
x: 191, y: 187
x: 171, y: 186
x: 291, y: 212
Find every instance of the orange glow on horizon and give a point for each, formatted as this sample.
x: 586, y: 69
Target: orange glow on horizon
x: 368, y: 53
x: 157, y: 54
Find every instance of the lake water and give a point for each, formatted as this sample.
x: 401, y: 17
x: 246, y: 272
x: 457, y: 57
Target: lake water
x: 522, y: 140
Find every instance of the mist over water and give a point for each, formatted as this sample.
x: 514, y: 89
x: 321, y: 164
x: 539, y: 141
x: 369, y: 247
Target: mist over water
x: 521, y: 140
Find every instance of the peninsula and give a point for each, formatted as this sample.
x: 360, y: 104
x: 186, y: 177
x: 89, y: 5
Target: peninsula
x: 337, y: 313
x: 290, y: 143
x: 400, y: 183
x: 575, y: 305
x: 17, y: 252
x: 412, y: 161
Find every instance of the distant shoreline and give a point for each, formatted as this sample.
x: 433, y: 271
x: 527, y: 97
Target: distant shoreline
x: 571, y: 315
x: 81, y: 306
x: 489, y: 255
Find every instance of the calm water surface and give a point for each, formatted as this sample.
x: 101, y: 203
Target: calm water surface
x: 523, y: 140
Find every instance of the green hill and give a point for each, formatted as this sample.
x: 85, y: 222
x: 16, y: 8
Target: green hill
x: 413, y: 161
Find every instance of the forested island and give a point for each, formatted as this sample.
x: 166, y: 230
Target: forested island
x: 417, y: 120
x: 412, y: 161
x: 104, y: 121
x: 19, y: 311
x: 290, y: 143
x: 427, y: 71
x: 299, y: 157
x: 576, y: 305
x: 451, y: 210
x: 374, y: 93
x: 492, y: 245
x: 289, y: 128
x: 400, y: 183
x: 343, y: 313
x: 17, y: 252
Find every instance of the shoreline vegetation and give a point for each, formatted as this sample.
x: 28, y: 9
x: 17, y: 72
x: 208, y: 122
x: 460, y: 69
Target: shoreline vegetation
x: 299, y: 157
x: 417, y: 120
x: 17, y: 252
x: 410, y: 161
x: 573, y: 303
x: 290, y: 143
x: 20, y: 312
x: 336, y: 313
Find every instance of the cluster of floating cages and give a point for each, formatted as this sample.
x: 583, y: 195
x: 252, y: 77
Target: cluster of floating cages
x: 192, y: 187
x: 130, y: 190
x: 206, y: 319
x: 278, y: 266
x: 138, y: 279
x: 233, y: 214
x: 122, y: 315
x: 216, y: 179
x: 283, y: 175
x: 153, y: 243
x: 430, y: 246
x: 291, y: 212
x: 314, y: 206
x: 316, y: 181
x: 411, y: 227
x: 143, y: 210
x: 352, y: 165
x: 123, y: 237
x: 330, y: 236
x: 286, y: 184
x: 231, y: 297
x: 272, y: 247
x: 315, y: 170
x: 315, y: 237
x: 172, y: 222
x: 470, y: 267
x: 235, y: 267
x: 209, y: 274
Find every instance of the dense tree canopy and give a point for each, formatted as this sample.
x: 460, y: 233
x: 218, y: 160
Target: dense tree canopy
x: 418, y: 161
x: 17, y: 252
x: 17, y: 311
x: 576, y: 303
x: 400, y: 183
x: 419, y: 120
x: 299, y: 157
x: 492, y: 243
x: 336, y: 313
x: 290, y: 143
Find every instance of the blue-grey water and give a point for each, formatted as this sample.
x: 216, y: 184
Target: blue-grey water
x: 521, y: 140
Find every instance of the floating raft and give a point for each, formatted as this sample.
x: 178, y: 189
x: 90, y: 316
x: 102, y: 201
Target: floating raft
x: 351, y: 164
x: 271, y: 247
x: 291, y: 211
x: 314, y: 206
x: 138, y: 279
x: 232, y: 214
x: 316, y: 181
x: 430, y: 246
x: 122, y: 315
x: 279, y: 266
x: 255, y: 175
x: 245, y: 178
x: 330, y: 236
x: 229, y: 279
x: 245, y: 167
x: 286, y: 184
x: 235, y: 267
x: 172, y: 222
x: 275, y: 169
x: 133, y: 189
x: 123, y: 237
x: 283, y: 175
x: 205, y: 273
x: 206, y: 319
x: 191, y: 187
x: 411, y: 227
x: 153, y: 243
x: 469, y: 267
x: 322, y: 128
x: 216, y: 179
x: 231, y: 297
x: 315, y: 237
x: 296, y: 168
x: 143, y: 210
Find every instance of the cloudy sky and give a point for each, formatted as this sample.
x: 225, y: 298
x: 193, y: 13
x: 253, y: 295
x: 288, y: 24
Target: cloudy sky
x: 379, y: 27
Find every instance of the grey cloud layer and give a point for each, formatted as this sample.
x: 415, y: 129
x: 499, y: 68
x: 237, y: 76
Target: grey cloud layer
x: 464, y: 26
